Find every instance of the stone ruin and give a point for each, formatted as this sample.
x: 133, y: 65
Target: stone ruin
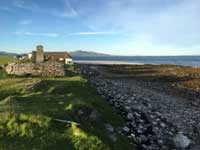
x: 39, y: 65
x: 39, y: 54
x: 44, y: 69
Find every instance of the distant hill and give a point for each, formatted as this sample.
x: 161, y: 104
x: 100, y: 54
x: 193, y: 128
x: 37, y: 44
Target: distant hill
x: 81, y: 53
x: 2, y: 53
x: 78, y: 53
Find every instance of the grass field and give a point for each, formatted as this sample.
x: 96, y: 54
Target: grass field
x: 27, y: 118
x: 5, y: 59
x: 2, y: 74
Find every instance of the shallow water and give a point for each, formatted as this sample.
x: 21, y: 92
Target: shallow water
x: 177, y: 60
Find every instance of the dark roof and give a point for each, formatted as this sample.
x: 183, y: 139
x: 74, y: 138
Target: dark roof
x: 57, y: 54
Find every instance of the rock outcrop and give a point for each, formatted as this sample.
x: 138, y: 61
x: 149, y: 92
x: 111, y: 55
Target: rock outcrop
x: 49, y: 68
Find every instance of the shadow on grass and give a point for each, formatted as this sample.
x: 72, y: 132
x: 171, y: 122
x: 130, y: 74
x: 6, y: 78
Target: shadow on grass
x: 75, y: 100
x: 22, y: 131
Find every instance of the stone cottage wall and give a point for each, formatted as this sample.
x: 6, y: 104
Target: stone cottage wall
x: 49, y: 68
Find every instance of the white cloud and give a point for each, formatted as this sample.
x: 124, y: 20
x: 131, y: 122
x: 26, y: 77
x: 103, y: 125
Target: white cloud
x: 37, y: 34
x: 27, y: 5
x: 94, y: 33
x: 169, y: 23
x: 5, y: 8
x: 69, y: 11
x: 25, y: 22
x: 177, y: 25
x: 65, y: 9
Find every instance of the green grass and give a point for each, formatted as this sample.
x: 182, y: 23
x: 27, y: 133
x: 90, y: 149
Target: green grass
x: 32, y: 124
x: 6, y: 59
x: 2, y: 74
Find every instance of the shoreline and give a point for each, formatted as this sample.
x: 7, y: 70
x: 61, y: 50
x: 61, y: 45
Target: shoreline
x: 118, y: 62
x: 97, y: 62
x: 153, y: 104
x: 115, y: 63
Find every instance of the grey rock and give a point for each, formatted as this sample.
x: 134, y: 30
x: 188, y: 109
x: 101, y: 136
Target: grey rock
x: 94, y: 116
x: 155, y: 130
x: 163, y: 125
x: 127, y: 108
x: 154, y: 123
x: 160, y: 142
x: 195, y: 148
x: 138, y: 140
x: 130, y: 116
x: 132, y: 135
x: 198, y: 128
x: 139, y: 131
x: 113, y: 137
x: 164, y: 148
x: 145, y: 147
x: 126, y: 129
x: 109, y: 127
x: 143, y: 138
x: 181, y: 141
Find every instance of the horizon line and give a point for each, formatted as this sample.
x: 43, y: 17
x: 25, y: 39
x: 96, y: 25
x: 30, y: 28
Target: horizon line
x: 113, y: 55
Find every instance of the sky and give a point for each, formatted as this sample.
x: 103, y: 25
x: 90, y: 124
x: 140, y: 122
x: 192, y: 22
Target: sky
x: 119, y: 27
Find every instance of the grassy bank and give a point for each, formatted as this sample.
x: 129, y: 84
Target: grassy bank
x: 6, y: 59
x: 2, y: 75
x: 27, y: 118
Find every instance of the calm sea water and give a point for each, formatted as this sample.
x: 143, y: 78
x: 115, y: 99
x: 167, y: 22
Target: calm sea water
x: 177, y: 60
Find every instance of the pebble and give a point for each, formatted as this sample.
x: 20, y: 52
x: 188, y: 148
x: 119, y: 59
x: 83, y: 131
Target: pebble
x: 126, y: 129
x: 109, y: 127
x: 162, y: 125
x: 130, y: 116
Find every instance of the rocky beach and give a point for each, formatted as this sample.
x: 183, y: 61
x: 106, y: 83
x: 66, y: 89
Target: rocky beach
x: 159, y: 103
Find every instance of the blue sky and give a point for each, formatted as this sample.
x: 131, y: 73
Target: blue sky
x: 120, y: 27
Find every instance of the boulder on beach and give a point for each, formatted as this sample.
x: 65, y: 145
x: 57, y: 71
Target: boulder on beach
x: 181, y: 141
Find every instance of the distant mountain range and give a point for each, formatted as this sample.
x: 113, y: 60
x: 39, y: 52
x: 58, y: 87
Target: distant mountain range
x: 2, y: 53
x: 78, y: 53
x: 81, y: 53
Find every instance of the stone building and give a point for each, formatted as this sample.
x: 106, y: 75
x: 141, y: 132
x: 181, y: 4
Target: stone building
x: 42, y: 64
x: 40, y: 56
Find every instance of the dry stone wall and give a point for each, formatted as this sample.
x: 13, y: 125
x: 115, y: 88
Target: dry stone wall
x: 49, y: 68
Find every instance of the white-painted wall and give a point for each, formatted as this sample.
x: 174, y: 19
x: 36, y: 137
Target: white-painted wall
x: 30, y: 56
x: 68, y: 61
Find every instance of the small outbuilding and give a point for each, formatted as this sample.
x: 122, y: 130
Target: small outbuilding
x: 59, y: 56
x: 39, y: 56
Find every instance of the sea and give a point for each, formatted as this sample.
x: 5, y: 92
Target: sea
x: 193, y: 61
